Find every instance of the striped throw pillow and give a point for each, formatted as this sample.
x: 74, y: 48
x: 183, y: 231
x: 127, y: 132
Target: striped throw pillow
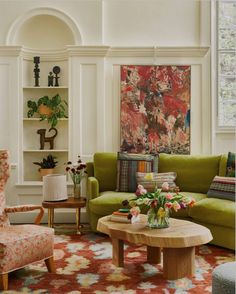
x: 130, y: 163
x: 223, y: 188
x: 150, y: 180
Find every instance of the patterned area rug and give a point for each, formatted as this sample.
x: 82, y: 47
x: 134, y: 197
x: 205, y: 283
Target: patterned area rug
x: 84, y: 266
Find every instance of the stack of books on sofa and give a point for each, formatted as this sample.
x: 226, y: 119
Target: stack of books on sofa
x: 121, y: 216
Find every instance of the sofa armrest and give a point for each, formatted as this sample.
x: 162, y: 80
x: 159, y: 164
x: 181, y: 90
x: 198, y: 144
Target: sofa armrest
x: 92, y: 188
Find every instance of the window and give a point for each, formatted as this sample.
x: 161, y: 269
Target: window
x: 226, y: 62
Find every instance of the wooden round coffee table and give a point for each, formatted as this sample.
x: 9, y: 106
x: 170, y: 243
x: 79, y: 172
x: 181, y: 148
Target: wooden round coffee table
x: 177, y: 242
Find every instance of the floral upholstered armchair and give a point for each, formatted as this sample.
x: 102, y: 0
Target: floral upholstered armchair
x: 21, y: 245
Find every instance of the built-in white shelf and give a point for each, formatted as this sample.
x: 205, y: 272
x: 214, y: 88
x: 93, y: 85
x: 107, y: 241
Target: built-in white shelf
x: 36, y: 184
x: 38, y: 119
x: 45, y: 150
x: 45, y: 87
x: 30, y: 147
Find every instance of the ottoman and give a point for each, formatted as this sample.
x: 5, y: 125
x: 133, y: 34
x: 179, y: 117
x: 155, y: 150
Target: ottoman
x: 223, y: 278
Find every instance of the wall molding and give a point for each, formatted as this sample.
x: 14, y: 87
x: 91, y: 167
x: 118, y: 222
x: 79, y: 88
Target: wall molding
x: 103, y: 51
x: 85, y: 51
x: 181, y: 51
x: 45, y: 55
x: 158, y: 51
x: 10, y: 50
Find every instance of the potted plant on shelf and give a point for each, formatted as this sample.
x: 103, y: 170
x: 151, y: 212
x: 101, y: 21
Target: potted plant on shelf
x: 48, y: 108
x: 47, y: 165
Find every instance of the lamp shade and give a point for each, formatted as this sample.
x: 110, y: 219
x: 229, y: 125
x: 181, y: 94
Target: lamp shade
x: 54, y: 187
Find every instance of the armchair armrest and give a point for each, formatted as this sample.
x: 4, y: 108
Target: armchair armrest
x: 24, y: 208
x: 92, y: 188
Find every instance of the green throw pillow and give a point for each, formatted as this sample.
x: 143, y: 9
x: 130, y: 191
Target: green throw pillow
x: 223, y: 188
x: 130, y: 163
x: 230, y: 167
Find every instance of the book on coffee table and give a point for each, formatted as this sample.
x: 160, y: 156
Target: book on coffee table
x: 119, y: 216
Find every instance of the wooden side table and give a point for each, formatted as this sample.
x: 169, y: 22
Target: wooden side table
x: 71, y: 202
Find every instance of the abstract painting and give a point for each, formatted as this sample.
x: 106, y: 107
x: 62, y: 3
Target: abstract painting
x: 155, y: 109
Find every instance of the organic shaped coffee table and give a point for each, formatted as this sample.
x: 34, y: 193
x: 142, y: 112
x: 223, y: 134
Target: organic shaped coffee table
x: 177, y: 242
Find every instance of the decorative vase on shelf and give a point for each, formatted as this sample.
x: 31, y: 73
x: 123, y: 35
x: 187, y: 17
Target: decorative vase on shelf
x: 76, y: 191
x: 158, y: 218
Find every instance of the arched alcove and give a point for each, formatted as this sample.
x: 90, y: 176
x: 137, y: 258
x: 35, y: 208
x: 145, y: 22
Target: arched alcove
x: 44, y: 28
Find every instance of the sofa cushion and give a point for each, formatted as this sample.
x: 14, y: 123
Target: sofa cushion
x: 127, y: 166
x: 214, y: 211
x: 150, y: 181
x: 194, y: 172
x: 230, y: 167
x: 109, y: 201
x: 223, y: 188
x: 105, y: 170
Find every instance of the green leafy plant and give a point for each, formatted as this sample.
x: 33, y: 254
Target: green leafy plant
x: 48, y: 162
x: 56, y: 108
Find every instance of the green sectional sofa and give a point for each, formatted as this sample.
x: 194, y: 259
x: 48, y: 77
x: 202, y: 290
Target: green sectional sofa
x: 194, y: 176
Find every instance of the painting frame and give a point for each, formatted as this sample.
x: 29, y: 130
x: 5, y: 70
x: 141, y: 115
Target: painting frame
x: 155, y: 109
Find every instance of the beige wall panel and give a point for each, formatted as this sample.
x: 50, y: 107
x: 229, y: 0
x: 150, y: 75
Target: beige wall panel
x: 88, y: 110
x: 4, y: 105
x: 152, y: 22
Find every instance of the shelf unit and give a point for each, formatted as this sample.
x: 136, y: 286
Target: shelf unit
x: 30, y: 151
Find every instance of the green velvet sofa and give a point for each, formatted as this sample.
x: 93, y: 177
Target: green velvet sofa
x: 194, y: 176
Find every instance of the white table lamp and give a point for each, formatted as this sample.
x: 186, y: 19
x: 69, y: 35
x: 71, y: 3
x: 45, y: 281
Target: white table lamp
x: 54, y: 187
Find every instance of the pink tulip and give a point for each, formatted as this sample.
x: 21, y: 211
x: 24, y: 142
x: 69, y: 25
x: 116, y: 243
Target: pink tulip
x: 140, y: 191
x: 165, y: 186
x: 168, y: 204
x: 169, y: 196
x: 176, y: 206
x: 154, y: 203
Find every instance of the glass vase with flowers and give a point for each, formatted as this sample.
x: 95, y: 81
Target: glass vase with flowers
x: 76, y: 171
x: 158, y: 204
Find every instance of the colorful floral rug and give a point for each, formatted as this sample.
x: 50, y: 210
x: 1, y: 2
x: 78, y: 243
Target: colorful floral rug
x: 84, y: 266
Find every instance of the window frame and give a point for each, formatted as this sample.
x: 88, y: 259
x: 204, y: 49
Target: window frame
x: 215, y: 61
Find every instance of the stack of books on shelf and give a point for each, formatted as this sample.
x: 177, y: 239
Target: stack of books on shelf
x: 121, y: 216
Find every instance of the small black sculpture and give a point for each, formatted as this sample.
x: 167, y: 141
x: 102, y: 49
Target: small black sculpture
x: 50, y: 79
x: 44, y: 139
x: 56, y: 70
x: 36, y: 70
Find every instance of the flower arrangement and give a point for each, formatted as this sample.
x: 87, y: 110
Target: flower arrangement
x: 77, y: 172
x: 158, y: 203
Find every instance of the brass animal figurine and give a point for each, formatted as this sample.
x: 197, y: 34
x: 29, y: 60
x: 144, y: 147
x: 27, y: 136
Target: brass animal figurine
x: 44, y: 139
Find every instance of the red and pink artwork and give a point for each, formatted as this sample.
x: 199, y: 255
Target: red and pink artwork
x: 155, y: 109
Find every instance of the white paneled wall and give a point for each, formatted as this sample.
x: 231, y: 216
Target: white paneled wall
x: 158, y: 32
x: 4, y: 107
x: 89, y: 106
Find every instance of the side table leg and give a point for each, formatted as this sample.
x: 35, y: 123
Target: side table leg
x: 117, y: 252
x: 50, y: 217
x: 178, y: 262
x: 78, y: 221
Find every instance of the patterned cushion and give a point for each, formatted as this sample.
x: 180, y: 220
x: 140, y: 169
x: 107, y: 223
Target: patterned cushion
x: 151, y: 180
x: 230, y: 167
x: 222, y: 187
x: 4, y: 175
x: 23, y: 244
x: 127, y: 166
